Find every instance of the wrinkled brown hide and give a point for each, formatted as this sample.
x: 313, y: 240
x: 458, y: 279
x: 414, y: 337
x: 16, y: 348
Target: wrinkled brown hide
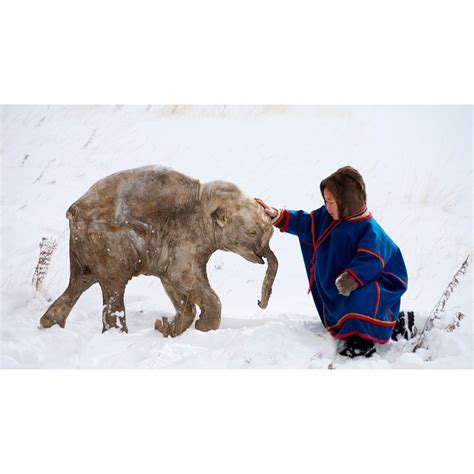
x: 156, y: 221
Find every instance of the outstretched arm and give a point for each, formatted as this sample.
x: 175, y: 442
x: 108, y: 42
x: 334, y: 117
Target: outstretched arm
x: 293, y: 222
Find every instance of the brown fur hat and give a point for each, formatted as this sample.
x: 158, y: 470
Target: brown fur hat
x: 348, y: 188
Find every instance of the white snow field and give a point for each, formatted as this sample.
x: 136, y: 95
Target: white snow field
x: 417, y: 163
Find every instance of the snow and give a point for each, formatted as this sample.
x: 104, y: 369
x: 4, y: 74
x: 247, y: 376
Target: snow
x: 417, y: 163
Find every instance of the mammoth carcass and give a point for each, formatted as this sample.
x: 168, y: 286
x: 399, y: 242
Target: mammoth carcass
x: 156, y: 221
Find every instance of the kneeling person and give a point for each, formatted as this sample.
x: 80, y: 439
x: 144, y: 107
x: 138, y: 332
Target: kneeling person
x: 356, y: 272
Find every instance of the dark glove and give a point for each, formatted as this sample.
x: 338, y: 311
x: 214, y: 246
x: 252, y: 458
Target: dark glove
x: 346, y: 284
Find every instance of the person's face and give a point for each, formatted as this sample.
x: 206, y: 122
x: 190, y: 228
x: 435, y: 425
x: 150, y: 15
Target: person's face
x: 331, y: 204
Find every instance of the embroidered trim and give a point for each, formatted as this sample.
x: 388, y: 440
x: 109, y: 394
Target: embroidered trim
x: 359, y: 216
x: 378, y: 300
x: 375, y: 254
x: 279, y: 218
x: 313, y: 227
x: 323, y: 237
x: 362, y: 317
x: 360, y: 334
x: 286, y: 222
x: 313, y: 257
x: 326, y: 233
x: 396, y: 276
x: 366, y: 218
x: 354, y: 275
x: 360, y: 213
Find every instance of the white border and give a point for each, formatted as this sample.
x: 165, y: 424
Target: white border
x: 246, y: 52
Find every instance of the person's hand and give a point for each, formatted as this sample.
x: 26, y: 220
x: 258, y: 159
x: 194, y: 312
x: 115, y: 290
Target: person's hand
x: 346, y: 284
x: 271, y: 211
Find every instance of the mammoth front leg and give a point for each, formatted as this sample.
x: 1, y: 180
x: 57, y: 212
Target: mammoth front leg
x: 210, y: 304
x: 185, y: 312
x: 113, y: 306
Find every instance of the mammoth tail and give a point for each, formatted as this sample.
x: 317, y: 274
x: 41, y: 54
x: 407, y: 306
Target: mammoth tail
x: 269, y: 278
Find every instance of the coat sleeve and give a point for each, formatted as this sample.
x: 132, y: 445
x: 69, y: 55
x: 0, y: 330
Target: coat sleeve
x: 295, y: 222
x: 372, y: 253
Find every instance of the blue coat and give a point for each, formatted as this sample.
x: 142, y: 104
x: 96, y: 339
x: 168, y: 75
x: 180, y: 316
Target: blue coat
x: 362, y: 248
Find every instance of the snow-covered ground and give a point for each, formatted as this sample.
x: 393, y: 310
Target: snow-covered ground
x: 417, y: 163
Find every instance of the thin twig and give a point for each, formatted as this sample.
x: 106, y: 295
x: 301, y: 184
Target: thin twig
x: 440, y: 305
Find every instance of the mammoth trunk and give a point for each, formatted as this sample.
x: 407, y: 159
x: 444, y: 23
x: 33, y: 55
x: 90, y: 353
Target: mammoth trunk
x: 269, y: 278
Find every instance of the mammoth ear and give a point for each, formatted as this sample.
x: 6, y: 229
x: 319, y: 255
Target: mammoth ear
x: 218, y: 216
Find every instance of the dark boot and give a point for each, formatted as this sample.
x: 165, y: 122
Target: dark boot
x: 355, y: 346
x: 405, y: 327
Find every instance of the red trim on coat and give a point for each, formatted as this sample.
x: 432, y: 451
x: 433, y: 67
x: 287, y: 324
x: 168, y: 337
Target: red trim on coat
x: 326, y: 233
x: 390, y: 315
x: 396, y: 276
x: 313, y: 257
x: 280, y: 218
x: 313, y: 227
x: 378, y: 300
x: 323, y: 237
x: 353, y: 275
x: 287, y: 221
x: 360, y: 211
x: 362, y: 317
x: 360, y: 334
x: 366, y: 218
x: 375, y: 254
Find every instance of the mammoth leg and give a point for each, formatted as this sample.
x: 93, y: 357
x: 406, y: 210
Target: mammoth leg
x: 185, y: 313
x: 113, y: 306
x: 79, y: 281
x: 210, y: 304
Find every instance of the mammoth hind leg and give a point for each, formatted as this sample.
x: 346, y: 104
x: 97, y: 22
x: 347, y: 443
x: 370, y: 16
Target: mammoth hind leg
x: 113, y: 306
x: 79, y: 282
x: 185, y: 313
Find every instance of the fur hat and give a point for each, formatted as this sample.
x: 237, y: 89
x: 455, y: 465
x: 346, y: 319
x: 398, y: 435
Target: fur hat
x: 348, y: 188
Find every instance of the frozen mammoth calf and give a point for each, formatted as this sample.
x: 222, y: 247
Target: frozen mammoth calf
x: 156, y: 221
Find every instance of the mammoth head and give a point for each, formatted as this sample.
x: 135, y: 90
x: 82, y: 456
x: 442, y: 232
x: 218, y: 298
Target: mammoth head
x: 241, y: 226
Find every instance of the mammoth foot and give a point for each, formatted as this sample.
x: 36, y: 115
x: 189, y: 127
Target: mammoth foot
x: 167, y: 328
x: 173, y: 329
x: 207, y: 325
x: 48, y: 320
x: 122, y: 328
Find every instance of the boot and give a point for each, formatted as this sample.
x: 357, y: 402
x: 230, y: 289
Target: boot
x: 405, y: 326
x: 355, y: 346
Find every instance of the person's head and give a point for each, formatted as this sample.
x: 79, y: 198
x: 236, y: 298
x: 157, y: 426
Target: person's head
x: 344, y: 193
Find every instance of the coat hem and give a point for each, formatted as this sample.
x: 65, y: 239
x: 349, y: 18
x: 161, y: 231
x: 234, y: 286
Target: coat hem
x: 362, y: 335
x: 362, y: 317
